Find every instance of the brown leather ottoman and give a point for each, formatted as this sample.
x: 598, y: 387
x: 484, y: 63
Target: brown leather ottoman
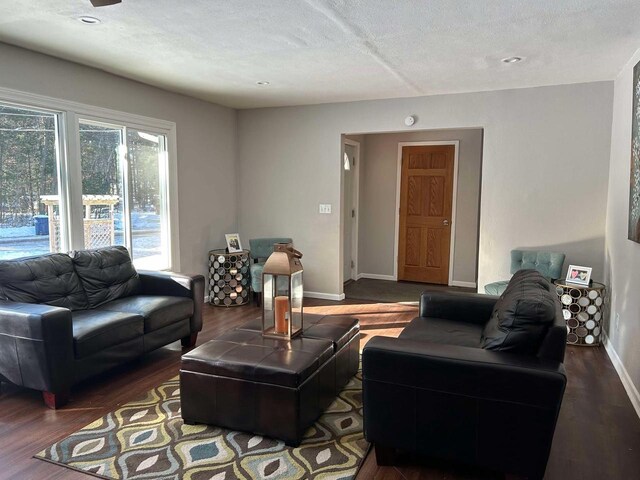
x: 343, y: 331
x: 270, y: 387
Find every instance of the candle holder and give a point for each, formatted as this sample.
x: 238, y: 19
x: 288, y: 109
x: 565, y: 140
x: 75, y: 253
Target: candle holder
x: 282, y: 290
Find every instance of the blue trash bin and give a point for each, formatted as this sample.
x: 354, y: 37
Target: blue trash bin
x: 42, y: 224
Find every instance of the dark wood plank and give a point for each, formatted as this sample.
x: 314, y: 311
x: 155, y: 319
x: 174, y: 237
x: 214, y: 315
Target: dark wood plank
x: 598, y: 434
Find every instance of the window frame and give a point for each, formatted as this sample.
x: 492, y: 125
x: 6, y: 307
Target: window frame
x: 69, y: 115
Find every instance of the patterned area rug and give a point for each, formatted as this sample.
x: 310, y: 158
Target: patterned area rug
x: 146, y: 439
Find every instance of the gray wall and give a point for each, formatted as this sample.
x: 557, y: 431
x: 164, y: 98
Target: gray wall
x: 206, y: 139
x: 544, y: 175
x: 378, y: 194
x: 623, y: 255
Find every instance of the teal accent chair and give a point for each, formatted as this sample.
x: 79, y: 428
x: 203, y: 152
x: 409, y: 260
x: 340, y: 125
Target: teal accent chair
x: 261, y: 248
x: 548, y: 264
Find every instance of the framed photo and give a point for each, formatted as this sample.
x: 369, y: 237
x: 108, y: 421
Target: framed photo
x: 578, y: 275
x: 233, y: 242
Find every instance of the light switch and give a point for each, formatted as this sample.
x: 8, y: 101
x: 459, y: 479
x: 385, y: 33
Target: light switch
x: 325, y: 208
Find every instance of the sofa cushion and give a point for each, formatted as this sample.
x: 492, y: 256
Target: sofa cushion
x: 106, y: 274
x: 158, y: 311
x: 440, y: 330
x: 96, y: 330
x: 48, y: 279
x: 522, y: 315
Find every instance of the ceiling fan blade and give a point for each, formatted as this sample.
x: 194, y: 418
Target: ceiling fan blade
x: 104, y: 3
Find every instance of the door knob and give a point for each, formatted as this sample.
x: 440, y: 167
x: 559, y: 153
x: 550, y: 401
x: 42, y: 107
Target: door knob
x: 445, y: 222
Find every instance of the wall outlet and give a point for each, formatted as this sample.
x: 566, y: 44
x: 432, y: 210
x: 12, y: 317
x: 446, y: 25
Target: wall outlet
x: 324, y: 208
x: 617, y: 322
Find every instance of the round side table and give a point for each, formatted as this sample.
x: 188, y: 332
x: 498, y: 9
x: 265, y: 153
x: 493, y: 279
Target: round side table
x: 228, y: 278
x: 582, y: 309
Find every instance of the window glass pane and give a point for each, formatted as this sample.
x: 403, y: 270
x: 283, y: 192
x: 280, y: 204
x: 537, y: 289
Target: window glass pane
x: 103, y: 189
x: 29, y: 210
x: 147, y: 191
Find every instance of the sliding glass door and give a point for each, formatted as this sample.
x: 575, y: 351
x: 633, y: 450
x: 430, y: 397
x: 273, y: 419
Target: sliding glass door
x: 148, y: 187
x: 124, y: 185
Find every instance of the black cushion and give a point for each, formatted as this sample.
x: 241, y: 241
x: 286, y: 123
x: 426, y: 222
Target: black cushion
x: 522, y: 315
x: 249, y: 356
x: 158, y: 311
x: 440, y: 330
x: 48, y: 279
x: 96, y: 330
x: 106, y: 274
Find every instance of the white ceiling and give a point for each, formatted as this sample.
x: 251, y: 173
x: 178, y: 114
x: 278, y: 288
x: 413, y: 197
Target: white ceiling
x: 319, y: 51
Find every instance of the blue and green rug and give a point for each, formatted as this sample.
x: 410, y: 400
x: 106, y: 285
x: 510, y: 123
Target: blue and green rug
x: 146, y: 439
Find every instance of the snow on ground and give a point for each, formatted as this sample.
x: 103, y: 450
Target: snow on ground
x: 144, y: 245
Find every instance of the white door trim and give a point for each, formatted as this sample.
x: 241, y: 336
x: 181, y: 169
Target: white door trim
x: 355, y: 202
x: 456, y: 144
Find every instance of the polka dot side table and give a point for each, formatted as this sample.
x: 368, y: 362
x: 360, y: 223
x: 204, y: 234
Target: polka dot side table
x: 228, y: 278
x: 582, y: 309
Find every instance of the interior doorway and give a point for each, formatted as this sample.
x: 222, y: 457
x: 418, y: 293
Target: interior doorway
x: 350, y: 184
x: 427, y: 174
x: 370, y: 234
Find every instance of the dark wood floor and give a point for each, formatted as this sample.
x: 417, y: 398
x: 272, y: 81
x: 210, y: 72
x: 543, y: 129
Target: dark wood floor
x: 598, y: 434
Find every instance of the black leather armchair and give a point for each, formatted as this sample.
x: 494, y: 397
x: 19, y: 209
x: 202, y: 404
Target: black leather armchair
x: 435, y: 392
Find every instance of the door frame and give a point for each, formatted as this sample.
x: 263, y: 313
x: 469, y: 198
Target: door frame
x: 456, y: 145
x: 355, y: 201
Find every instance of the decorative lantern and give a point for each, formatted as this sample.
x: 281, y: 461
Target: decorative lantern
x: 282, y: 293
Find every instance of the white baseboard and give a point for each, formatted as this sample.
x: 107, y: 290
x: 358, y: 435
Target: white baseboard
x: 325, y: 296
x: 206, y: 299
x: 631, y: 389
x: 376, y: 276
x: 456, y: 283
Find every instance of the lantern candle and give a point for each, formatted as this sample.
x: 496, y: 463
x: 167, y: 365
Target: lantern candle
x: 281, y: 309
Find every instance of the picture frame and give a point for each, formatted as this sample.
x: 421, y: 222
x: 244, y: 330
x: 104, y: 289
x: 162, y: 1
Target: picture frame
x: 233, y: 242
x: 578, y: 275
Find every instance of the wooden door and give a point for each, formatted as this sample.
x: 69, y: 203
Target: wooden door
x: 426, y: 196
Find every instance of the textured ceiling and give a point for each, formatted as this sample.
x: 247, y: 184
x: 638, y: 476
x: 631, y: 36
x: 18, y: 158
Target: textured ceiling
x: 319, y: 51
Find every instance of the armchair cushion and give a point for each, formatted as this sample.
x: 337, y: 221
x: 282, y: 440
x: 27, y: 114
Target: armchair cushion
x: 256, y: 276
x: 549, y: 264
x: 96, y: 330
x: 106, y: 274
x: 443, y: 331
x: 496, y: 288
x: 261, y: 248
x: 522, y: 315
x: 158, y: 311
x: 46, y: 279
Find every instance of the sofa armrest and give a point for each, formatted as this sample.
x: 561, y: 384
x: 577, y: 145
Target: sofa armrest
x: 466, y: 371
x: 178, y: 285
x: 36, y: 346
x: 464, y: 307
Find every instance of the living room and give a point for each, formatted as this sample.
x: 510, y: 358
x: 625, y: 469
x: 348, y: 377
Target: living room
x: 250, y: 106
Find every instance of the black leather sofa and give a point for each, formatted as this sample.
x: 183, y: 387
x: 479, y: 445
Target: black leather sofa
x: 475, y: 379
x: 64, y: 318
